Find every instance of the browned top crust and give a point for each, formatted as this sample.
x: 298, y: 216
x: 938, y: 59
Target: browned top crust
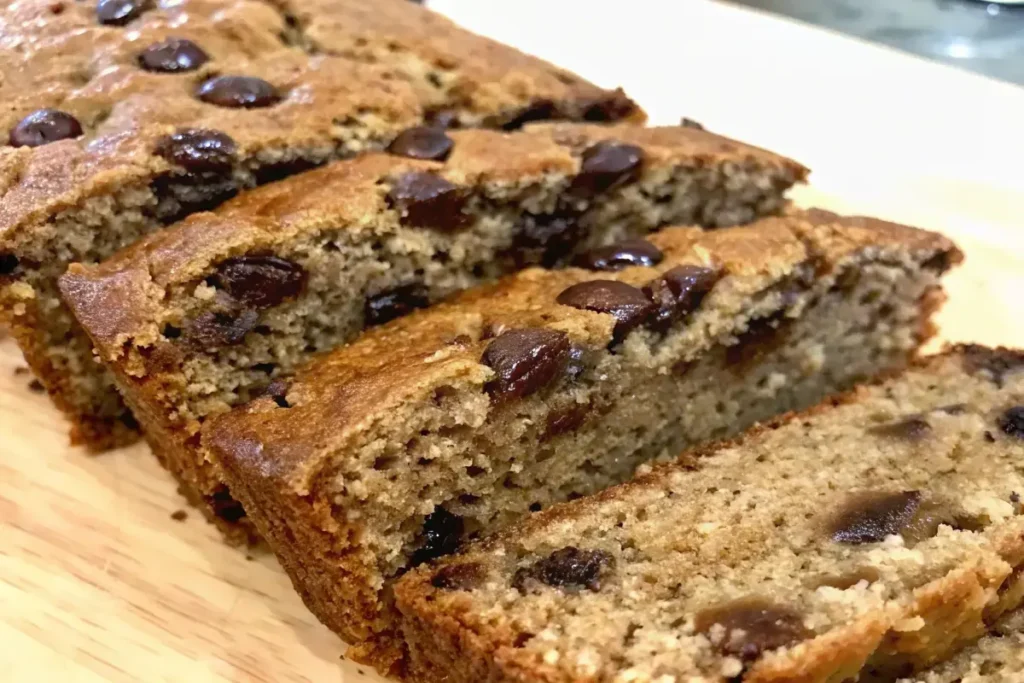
x: 383, y: 65
x: 337, y: 397
x: 121, y: 298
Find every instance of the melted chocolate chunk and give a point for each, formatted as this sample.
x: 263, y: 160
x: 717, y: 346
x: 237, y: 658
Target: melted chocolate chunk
x: 458, y: 577
x: 442, y: 532
x: 215, y: 329
x: 569, y: 567
x: 996, y: 363
x: 545, y: 240
x: 541, y: 110
x: 174, y: 55
x: 565, y: 420
x: 621, y: 255
x: 871, y: 517
x: 278, y: 391
x: 750, y: 627
x: 607, y: 164
x: 199, y: 150
x: 525, y: 361
x: 260, y: 281
x: 913, y: 428
x: 678, y: 293
x: 183, y: 193
x: 422, y: 142
x: 269, y: 173
x: 1011, y: 422
x: 8, y: 263
x: 394, y: 303
x: 44, y: 126
x: 238, y: 92
x: 614, y: 106
x: 626, y: 303
x: 426, y: 200
x: 120, y: 12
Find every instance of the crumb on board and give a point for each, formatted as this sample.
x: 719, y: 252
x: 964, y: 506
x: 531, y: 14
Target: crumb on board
x: 21, y: 370
x: 36, y: 386
x: 179, y: 515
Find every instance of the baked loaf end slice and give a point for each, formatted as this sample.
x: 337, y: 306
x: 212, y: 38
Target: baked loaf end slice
x: 153, y: 111
x: 998, y: 658
x: 874, y: 535
x: 455, y: 421
x: 206, y: 315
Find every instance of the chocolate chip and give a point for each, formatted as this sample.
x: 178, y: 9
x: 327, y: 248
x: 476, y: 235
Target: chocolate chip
x: 443, y: 119
x: 394, y: 303
x: 569, y: 567
x: 541, y: 110
x: 750, y: 627
x: 1012, y: 422
x: 442, y: 532
x: 426, y: 200
x: 913, y: 428
x: 199, y: 150
x: 996, y: 363
x: 614, y: 106
x: 8, y: 263
x: 458, y: 577
x: 545, y: 240
x: 120, y: 12
x: 607, y: 164
x: 423, y: 142
x: 260, y: 281
x: 269, y: 173
x: 246, y: 92
x: 44, y: 126
x: 214, y: 329
x: 690, y: 123
x: 762, y: 335
x: 871, y: 517
x: 678, y: 292
x: 621, y: 255
x: 278, y: 391
x: 180, y: 194
x: 525, y: 361
x: 174, y: 55
x: 626, y: 303
x: 565, y: 420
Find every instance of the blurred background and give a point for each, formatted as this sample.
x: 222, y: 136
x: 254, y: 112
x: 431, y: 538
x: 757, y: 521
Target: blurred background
x: 985, y: 37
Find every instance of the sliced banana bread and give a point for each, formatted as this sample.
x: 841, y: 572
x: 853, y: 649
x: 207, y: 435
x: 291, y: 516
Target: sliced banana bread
x: 208, y: 314
x: 998, y: 658
x: 874, y: 535
x: 121, y: 116
x: 455, y: 421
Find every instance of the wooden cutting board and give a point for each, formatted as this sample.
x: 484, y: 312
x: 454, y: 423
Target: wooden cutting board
x: 101, y: 581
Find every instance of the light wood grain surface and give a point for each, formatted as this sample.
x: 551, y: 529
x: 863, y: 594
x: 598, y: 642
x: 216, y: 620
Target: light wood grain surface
x: 99, y: 583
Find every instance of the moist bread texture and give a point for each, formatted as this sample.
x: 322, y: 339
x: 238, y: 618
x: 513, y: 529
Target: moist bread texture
x: 122, y: 116
x: 208, y: 314
x: 453, y: 422
x: 874, y: 535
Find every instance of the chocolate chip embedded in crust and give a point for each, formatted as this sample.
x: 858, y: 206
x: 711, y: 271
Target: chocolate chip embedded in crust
x: 245, y: 92
x: 427, y: 200
x: 394, y: 303
x: 546, y: 240
x: 913, y: 428
x: 541, y: 110
x: 569, y: 567
x: 621, y: 255
x: 174, y: 55
x: 120, y: 12
x: 607, y: 164
x: 44, y: 126
x: 626, y: 303
x: 8, y: 263
x: 565, y: 420
x: 260, y: 281
x: 525, y: 361
x: 871, y: 517
x: 198, y: 150
x: 750, y: 627
x: 422, y: 142
x: 458, y: 577
x: 1011, y: 422
x: 215, y: 329
x: 678, y: 292
x: 442, y: 532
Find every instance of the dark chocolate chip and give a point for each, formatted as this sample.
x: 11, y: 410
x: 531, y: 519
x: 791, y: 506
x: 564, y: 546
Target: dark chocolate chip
x: 426, y: 200
x: 615, y: 106
x: 913, y: 428
x: 246, y: 92
x: 8, y: 263
x: 36, y: 386
x: 225, y: 506
x: 686, y: 122
x: 442, y: 532
x: 997, y: 363
x: 180, y: 194
x: 422, y: 142
x: 626, y: 303
x: 546, y: 240
x: 525, y: 361
x: 1012, y: 422
x: 120, y: 12
x: 278, y: 391
x: 762, y: 335
x: 569, y: 567
x: 750, y: 627
x: 541, y: 110
x: 565, y: 420
x: 607, y: 164
x: 269, y: 173
x: 394, y: 303
x: 174, y: 55
x: 871, y: 517
x: 458, y: 577
x: 260, y: 281
x: 678, y: 292
x: 621, y: 255
x: 215, y: 329
x: 44, y: 126
x: 199, y: 150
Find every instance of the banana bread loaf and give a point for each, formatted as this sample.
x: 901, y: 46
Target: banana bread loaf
x: 457, y: 420
x: 872, y: 536
x: 998, y: 658
x: 205, y: 315
x: 123, y: 115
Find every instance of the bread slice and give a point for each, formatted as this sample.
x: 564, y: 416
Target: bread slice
x: 455, y: 421
x: 124, y: 116
x: 997, y: 658
x: 207, y: 314
x: 874, y: 535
